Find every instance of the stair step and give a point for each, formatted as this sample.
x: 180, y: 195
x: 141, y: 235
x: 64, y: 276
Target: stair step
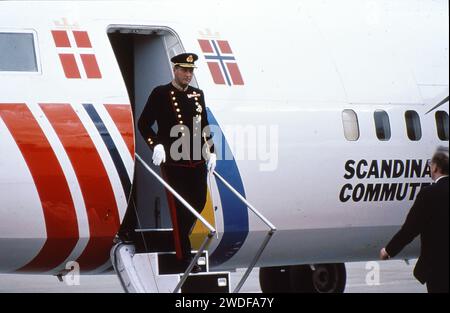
x: 169, y: 264
x: 207, y: 283
x: 141, y: 273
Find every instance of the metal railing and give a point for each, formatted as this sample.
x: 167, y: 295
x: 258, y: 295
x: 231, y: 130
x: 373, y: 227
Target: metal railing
x: 209, y: 237
x: 212, y: 230
x: 269, y: 235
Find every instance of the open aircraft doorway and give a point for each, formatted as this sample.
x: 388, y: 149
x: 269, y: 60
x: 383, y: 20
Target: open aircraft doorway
x: 143, y: 55
x: 145, y: 259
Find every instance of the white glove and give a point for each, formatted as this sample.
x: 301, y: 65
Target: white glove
x: 212, y: 162
x: 159, y: 155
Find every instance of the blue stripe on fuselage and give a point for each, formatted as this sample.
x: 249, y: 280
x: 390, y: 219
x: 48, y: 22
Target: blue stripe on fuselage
x: 115, y: 156
x: 235, y: 213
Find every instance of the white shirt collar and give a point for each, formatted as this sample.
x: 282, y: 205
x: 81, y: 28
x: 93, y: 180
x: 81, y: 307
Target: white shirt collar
x: 179, y: 87
x: 443, y: 176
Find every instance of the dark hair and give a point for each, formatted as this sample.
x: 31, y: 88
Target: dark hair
x: 440, y: 158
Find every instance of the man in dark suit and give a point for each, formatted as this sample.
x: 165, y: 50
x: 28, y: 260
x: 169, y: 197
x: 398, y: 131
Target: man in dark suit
x: 181, y: 146
x: 428, y: 218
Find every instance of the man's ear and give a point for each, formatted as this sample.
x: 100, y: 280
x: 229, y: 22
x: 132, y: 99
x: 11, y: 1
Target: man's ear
x: 435, y: 170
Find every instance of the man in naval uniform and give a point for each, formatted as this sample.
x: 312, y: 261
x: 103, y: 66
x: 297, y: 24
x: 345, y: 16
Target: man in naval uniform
x: 181, y: 146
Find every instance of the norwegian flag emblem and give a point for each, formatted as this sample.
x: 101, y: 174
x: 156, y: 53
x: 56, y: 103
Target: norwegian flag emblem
x: 221, y: 62
x: 75, y: 53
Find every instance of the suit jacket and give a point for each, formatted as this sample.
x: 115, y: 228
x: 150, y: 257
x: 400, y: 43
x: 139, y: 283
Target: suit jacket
x: 169, y: 107
x: 428, y: 218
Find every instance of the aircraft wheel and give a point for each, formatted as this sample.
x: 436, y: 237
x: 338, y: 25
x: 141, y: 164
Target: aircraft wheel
x: 326, y: 278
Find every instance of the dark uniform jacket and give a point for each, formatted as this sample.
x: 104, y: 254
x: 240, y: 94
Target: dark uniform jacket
x: 169, y: 107
x: 428, y: 218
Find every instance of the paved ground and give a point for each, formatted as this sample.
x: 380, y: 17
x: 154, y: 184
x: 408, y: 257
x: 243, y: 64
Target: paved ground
x: 394, y: 277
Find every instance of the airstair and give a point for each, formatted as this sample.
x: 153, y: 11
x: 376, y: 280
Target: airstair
x: 150, y: 265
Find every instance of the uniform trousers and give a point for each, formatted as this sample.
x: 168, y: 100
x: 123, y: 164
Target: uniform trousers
x: 191, y: 184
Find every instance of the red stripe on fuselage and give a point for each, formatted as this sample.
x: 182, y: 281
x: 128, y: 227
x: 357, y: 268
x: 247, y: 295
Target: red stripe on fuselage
x: 95, y: 185
x: 57, y: 203
x: 123, y: 118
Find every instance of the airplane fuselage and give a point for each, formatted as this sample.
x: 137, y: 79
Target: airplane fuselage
x: 278, y: 81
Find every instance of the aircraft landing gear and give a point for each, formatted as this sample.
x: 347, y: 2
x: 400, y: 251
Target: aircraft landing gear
x: 320, y: 278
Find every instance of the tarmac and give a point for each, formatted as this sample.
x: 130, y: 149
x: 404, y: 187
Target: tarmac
x: 362, y: 277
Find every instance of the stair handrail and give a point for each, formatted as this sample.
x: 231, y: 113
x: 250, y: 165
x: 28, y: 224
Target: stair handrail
x: 177, y: 195
x: 251, y: 207
x: 212, y: 230
x: 272, y: 231
x: 210, y: 235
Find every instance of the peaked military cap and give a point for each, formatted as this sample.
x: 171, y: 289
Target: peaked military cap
x: 185, y: 60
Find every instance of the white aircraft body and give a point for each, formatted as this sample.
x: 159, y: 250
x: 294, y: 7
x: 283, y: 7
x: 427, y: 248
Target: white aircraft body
x: 327, y: 110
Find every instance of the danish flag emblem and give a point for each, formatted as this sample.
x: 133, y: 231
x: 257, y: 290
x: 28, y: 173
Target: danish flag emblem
x: 221, y: 62
x: 75, y: 53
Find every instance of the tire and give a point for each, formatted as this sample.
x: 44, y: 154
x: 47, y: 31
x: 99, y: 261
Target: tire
x: 326, y: 278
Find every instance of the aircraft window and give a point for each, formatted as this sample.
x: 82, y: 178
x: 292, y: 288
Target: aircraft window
x: 442, y: 124
x: 413, y: 127
x: 351, y: 125
x: 17, y: 52
x: 382, y: 125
